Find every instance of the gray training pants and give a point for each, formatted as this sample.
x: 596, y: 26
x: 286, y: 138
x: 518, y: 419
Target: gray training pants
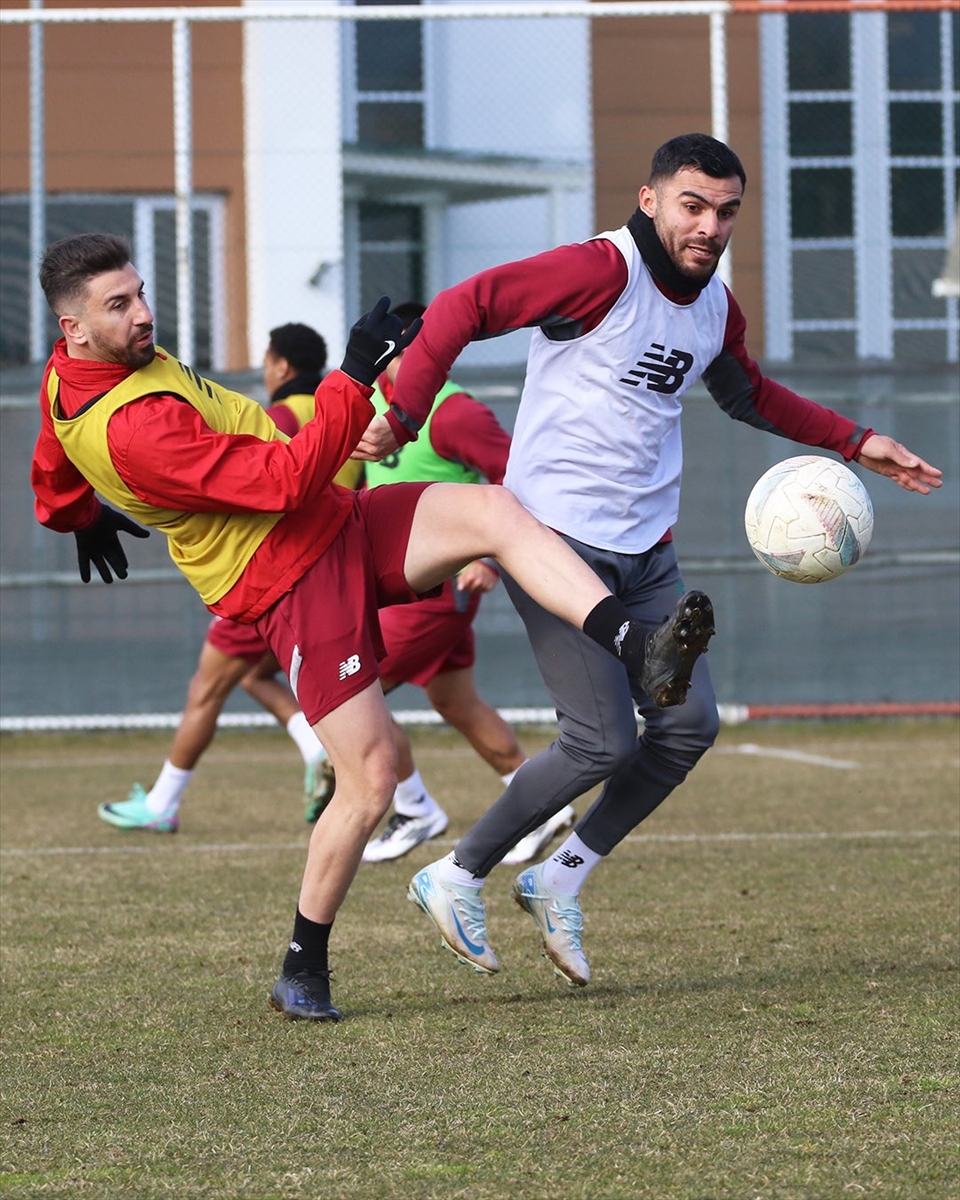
x: 598, y: 739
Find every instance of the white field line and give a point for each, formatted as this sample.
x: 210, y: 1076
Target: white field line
x: 265, y: 755
x: 814, y: 760
x: 260, y: 847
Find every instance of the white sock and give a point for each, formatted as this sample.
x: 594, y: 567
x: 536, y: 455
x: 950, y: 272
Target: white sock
x: 508, y: 778
x: 450, y: 871
x: 566, y: 871
x: 307, y: 741
x: 167, y: 792
x: 411, y: 799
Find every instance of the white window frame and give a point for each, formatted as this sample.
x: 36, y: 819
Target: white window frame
x: 872, y: 242
x: 145, y: 208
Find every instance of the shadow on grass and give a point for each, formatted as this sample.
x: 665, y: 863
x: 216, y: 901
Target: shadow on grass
x: 759, y: 987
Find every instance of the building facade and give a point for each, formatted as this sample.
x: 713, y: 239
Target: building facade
x: 335, y: 160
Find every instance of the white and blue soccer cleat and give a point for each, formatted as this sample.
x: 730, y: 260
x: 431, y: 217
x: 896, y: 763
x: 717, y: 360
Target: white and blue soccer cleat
x: 458, y: 914
x: 560, y: 922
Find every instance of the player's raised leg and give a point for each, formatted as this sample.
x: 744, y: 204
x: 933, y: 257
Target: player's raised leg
x: 453, y: 525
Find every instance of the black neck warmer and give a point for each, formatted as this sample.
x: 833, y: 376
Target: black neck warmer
x: 660, y: 264
x: 304, y: 384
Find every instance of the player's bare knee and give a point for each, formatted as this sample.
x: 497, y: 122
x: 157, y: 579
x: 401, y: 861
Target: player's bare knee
x: 370, y: 789
x: 496, y: 511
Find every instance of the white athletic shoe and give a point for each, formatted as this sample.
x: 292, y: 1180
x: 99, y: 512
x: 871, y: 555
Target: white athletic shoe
x: 560, y: 922
x: 527, y: 849
x: 402, y: 834
x: 458, y: 914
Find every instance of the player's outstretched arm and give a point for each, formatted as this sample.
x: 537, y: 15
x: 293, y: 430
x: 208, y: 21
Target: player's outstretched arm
x: 887, y: 457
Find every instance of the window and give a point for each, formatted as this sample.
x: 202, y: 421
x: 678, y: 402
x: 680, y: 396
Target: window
x: 149, y: 223
x: 391, y: 252
x: 385, y: 108
x: 861, y: 183
x: 388, y: 78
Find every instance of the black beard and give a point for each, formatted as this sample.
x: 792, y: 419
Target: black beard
x: 661, y: 265
x: 131, y: 357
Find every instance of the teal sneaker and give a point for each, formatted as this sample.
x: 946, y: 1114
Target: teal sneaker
x: 458, y: 914
x: 133, y: 813
x: 319, y: 784
x: 560, y: 922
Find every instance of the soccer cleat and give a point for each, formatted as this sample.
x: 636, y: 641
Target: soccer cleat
x: 133, y: 813
x: 458, y: 914
x: 672, y: 649
x: 319, y: 782
x: 560, y: 921
x: 303, y: 997
x: 402, y: 834
x: 530, y: 846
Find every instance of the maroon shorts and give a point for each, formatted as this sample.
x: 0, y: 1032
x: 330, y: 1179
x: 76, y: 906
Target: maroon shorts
x: 429, y: 638
x: 325, y: 631
x: 236, y: 640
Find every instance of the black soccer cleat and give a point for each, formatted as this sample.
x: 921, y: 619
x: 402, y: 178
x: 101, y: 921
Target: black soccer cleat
x: 303, y: 997
x: 672, y: 649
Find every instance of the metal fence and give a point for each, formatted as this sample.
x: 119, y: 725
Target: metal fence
x: 887, y: 631
x: 323, y: 153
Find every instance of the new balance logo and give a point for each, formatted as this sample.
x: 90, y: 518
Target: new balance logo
x: 566, y: 858
x: 350, y: 666
x: 663, y: 372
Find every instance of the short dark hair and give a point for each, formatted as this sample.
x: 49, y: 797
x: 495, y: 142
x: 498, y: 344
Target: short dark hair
x: 408, y: 311
x: 697, y: 151
x: 69, y: 264
x: 302, y: 347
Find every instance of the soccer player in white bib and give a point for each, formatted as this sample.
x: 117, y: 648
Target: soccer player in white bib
x: 624, y: 324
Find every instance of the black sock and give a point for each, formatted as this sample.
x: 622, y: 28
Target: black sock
x: 307, y: 952
x: 609, y: 624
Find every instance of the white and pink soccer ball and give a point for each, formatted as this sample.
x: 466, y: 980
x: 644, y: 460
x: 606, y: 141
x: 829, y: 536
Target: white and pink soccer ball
x: 809, y: 519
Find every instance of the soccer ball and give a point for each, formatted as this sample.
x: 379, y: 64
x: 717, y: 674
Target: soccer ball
x: 809, y: 519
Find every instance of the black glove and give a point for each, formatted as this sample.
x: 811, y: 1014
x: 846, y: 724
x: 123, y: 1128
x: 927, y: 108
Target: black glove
x: 100, y: 545
x: 374, y: 340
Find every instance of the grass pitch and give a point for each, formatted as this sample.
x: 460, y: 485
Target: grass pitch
x: 774, y: 1011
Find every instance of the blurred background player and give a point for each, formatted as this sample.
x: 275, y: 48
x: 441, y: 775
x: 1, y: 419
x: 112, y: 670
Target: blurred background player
x: 431, y: 643
x: 234, y: 654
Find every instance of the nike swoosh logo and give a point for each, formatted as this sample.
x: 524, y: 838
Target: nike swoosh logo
x: 388, y: 353
x: 471, y: 946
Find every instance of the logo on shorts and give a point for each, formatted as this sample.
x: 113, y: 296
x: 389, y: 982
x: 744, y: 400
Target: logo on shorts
x: 350, y: 666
